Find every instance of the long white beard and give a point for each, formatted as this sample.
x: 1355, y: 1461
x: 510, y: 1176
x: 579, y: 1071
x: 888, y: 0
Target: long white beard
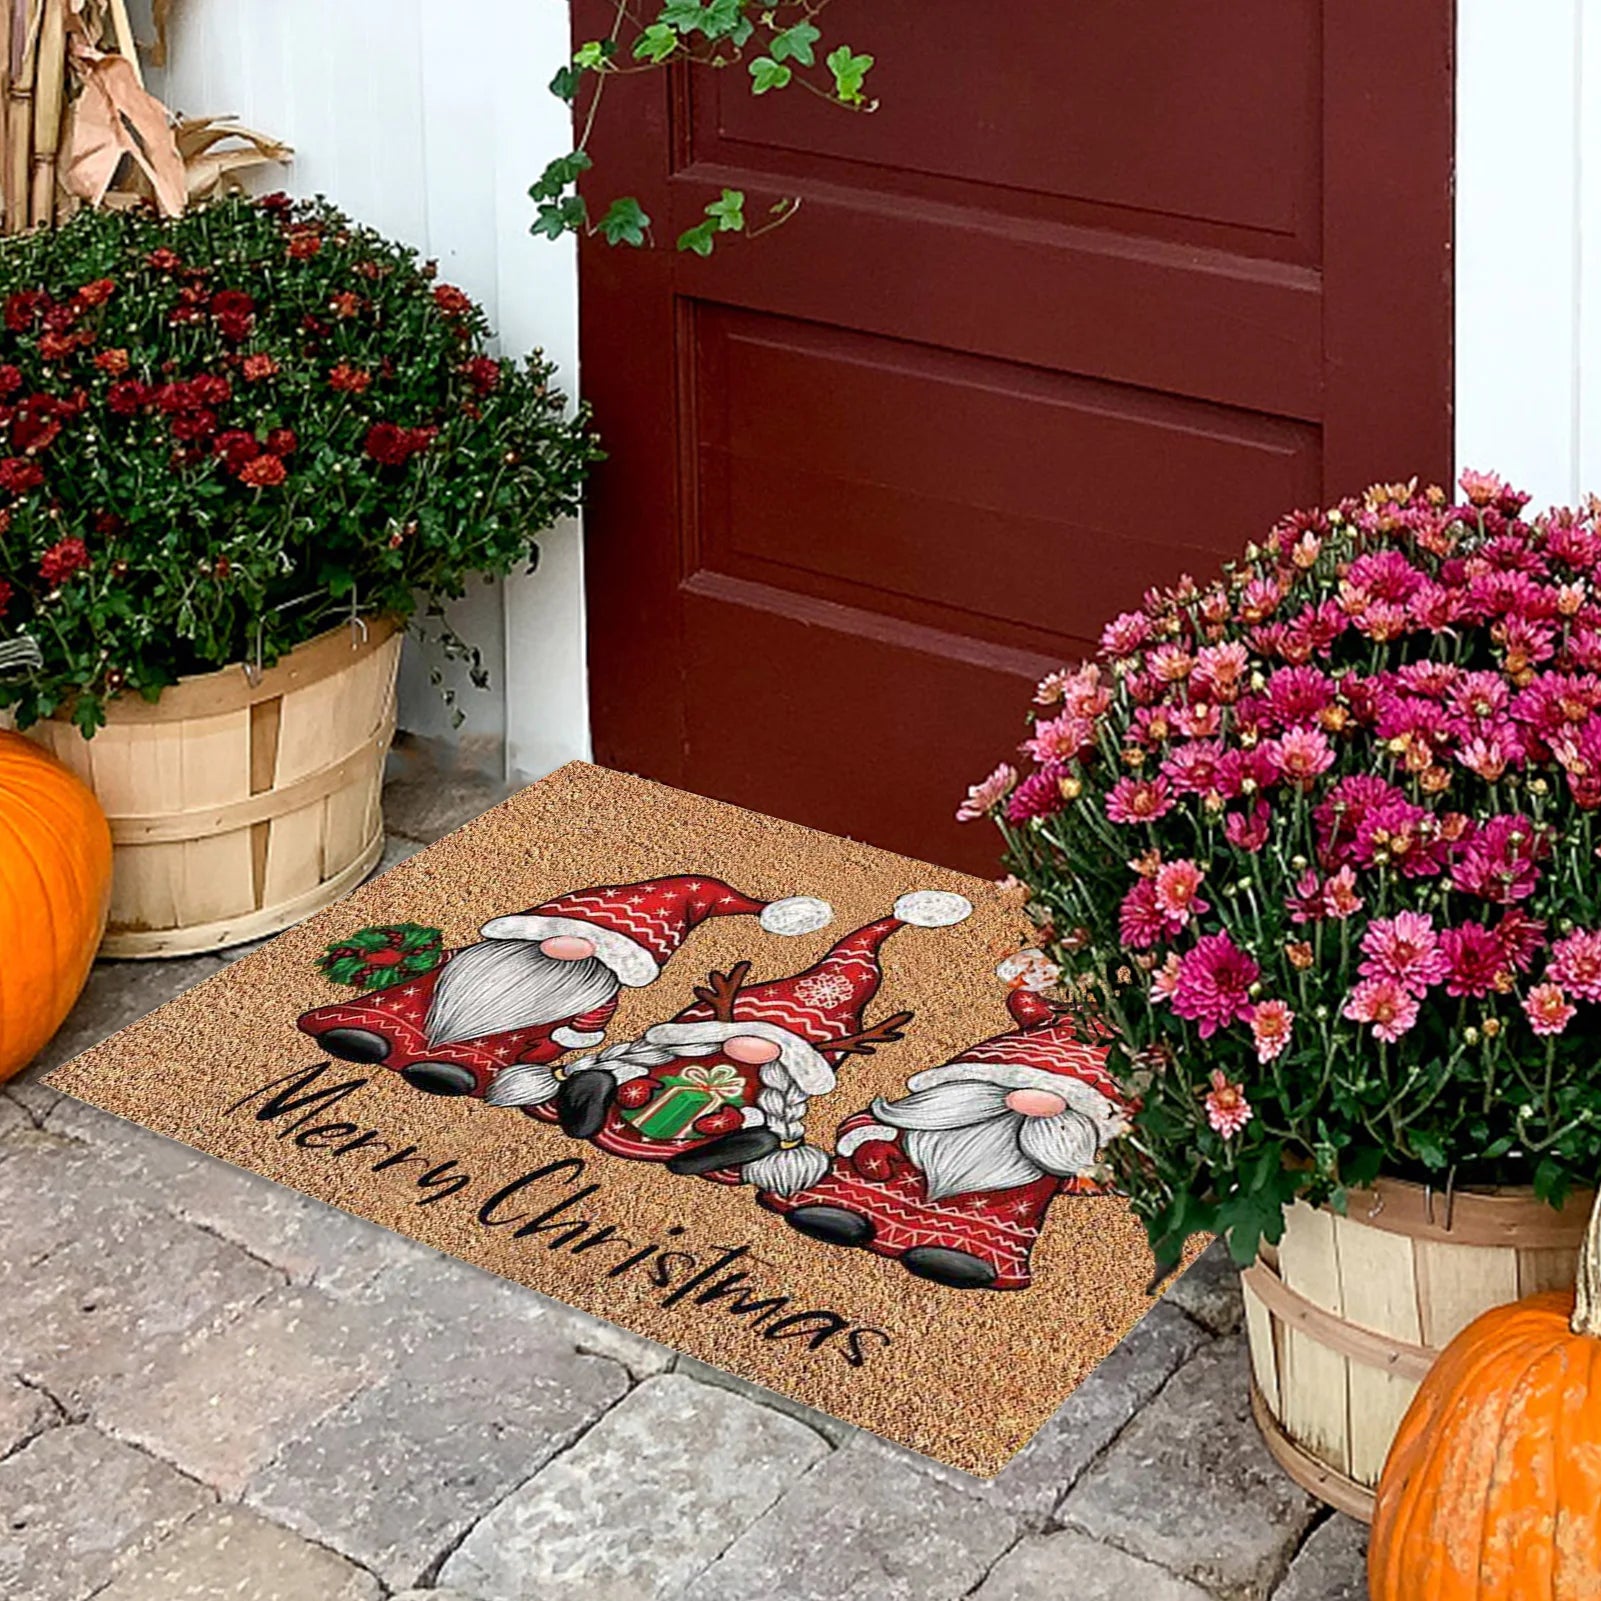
x: 962, y: 1137
x: 502, y: 984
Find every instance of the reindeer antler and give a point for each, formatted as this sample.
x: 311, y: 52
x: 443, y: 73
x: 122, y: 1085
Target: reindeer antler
x: 865, y: 1043
x: 720, y: 990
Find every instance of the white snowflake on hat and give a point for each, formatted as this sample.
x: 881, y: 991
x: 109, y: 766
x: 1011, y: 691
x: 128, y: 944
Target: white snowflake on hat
x: 773, y: 1046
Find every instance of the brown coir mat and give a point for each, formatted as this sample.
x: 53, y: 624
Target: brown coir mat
x: 793, y: 1105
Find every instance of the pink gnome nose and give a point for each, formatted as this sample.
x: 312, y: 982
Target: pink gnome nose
x: 1036, y: 1103
x: 749, y: 1049
x: 567, y: 947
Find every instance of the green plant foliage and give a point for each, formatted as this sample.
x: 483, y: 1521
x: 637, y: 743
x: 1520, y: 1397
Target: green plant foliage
x: 220, y: 435
x: 779, y: 39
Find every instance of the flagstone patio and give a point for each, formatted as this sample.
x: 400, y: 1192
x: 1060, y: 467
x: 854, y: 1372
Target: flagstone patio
x: 211, y: 1386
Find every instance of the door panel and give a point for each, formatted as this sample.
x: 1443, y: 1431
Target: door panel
x: 1090, y: 300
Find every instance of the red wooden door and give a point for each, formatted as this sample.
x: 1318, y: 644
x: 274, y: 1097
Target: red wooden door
x: 1100, y: 290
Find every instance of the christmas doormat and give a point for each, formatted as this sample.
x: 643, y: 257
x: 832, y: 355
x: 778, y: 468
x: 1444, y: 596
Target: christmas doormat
x: 799, y: 1107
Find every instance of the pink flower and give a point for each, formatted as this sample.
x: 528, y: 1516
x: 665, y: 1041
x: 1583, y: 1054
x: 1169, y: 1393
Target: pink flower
x: 1497, y: 863
x: 1247, y: 831
x: 1124, y: 635
x: 1478, y: 962
x: 1405, y: 948
x: 1178, y: 891
x: 1340, y: 896
x: 1214, y: 983
x: 1219, y: 669
x: 984, y: 797
x: 1138, y: 800
x: 1141, y: 923
x: 1296, y: 695
x: 1165, y: 980
x: 1039, y: 795
x: 1270, y: 1027
x: 1060, y: 739
x: 1549, y: 1011
x: 1192, y: 768
x: 1227, y: 1109
x: 1384, y: 1003
x: 1300, y: 754
x: 1576, y: 963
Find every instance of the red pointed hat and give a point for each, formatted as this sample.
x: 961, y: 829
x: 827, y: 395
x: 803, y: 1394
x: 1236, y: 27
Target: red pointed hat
x: 1044, y: 1052
x: 637, y: 927
x: 803, y: 1014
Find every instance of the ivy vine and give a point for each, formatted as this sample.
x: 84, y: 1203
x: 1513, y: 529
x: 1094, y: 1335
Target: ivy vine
x: 778, y: 42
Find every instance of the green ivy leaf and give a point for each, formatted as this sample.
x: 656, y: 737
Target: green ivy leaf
x: 656, y: 43
x: 795, y: 44
x: 559, y: 175
x: 565, y: 84
x: 717, y: 19
x: 698, y: 238
x: 849, y: 71
x: 728, y: 211
x: 557, y: 217
x: 624, y: 222
x: 590, y: 57
x: 768, y: 74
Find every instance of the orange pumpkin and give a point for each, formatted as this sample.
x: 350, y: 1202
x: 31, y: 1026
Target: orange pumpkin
x: 1492, y: 1489
x: 55, y: 888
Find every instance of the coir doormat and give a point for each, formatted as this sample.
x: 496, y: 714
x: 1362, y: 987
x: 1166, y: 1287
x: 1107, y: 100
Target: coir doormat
x: 785, y: 1102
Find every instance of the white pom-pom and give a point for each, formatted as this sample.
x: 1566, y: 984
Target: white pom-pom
x: 933, y: 908
x: 800, y: 914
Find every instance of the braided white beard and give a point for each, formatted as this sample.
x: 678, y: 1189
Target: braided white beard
x: 962, y: 1136
x: 503, y: 984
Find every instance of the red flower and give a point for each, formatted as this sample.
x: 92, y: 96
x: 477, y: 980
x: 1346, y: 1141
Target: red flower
x: 18, y: 475
x: 282, y: 441
x: 236, y: 446
x: 1478, y: 960
x: 346, y: 304
x: 10, y: 381
x: 23, y: 307
x: 235, y: 312
x: 113, y: 362
x: 257, y: 367
x: 98, y: 292
x: 164, y: 260
x: 483, y: 374
x: 210, y: 390
x: 191, y: 426
x: 393, y: 446
x: 451, y: 301
x: 349, y: 380
x: 304, y: 243
x: 36, y: 425
x: 263, y: 472
x: 127, y: 397
x: 5, y: 596
x: 62, y: 560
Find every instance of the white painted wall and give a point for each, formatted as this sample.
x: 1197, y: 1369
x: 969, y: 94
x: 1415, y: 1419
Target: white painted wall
x: 1528, y: 244
x: 429, y: 120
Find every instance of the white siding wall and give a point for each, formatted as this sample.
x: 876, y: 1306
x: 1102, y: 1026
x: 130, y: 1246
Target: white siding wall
x: 1528, y: 242
x: 429, y: 120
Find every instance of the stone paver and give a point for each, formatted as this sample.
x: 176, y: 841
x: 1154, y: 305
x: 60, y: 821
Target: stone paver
x: 862, y: 1527
x: 220, y: 1404
x: 95, y: 1281
x: 1190, y: 1486
x: 1032, y: 1483
x: 831, y: 1428
x: 24, y: 1412
x: 227, y: 1554
x: 648, y: 1497
x: 423, y: 804
x: 1331, y: 1566
x: 478, y: 1389
x: 75, y: 1507
x: 1052, y: 1567
x: 1210, y: 1291
x: 14, y: 1119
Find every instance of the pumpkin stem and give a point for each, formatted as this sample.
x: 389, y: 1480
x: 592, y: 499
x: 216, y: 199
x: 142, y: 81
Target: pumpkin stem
x: 1587, y: 1291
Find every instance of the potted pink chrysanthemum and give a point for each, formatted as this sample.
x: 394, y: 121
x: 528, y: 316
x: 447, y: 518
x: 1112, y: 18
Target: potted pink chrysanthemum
x: 1318, y: 841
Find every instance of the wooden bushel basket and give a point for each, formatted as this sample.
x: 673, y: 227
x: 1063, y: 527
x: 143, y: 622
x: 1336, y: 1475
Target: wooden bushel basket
x: 1348, y: 1313
x: 239, y: 808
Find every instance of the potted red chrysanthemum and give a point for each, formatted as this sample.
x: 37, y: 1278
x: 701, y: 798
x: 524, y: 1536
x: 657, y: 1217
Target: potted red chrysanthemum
x: 1318, y: 840
x: 237, y: 449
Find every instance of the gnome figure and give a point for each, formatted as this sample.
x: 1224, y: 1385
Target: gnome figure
x: 539, y: 984
x: 722, y: 1089
x: 954, y: 1179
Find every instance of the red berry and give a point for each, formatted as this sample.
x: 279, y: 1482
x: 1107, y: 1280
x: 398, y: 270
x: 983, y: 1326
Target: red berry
x: 636, y: 1092
x: 723, y: 1121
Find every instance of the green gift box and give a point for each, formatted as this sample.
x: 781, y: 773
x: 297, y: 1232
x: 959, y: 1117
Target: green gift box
x: 685, y: 1096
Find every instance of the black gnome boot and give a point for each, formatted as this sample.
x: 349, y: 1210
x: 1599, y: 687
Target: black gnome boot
x: 582, y: 1103
x: 956, y: 1270
x: 833, y: 1225
x: 727, y: 1150
x: 354, y: 1045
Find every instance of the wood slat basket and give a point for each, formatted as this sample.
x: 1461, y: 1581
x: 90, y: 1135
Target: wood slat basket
x: 1349, y: 1312
x: 236, y: 807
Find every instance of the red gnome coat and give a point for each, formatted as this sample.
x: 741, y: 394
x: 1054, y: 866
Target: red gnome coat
x: 721, y: 1090
x: 588, y: 943
x: 877, y: 1196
